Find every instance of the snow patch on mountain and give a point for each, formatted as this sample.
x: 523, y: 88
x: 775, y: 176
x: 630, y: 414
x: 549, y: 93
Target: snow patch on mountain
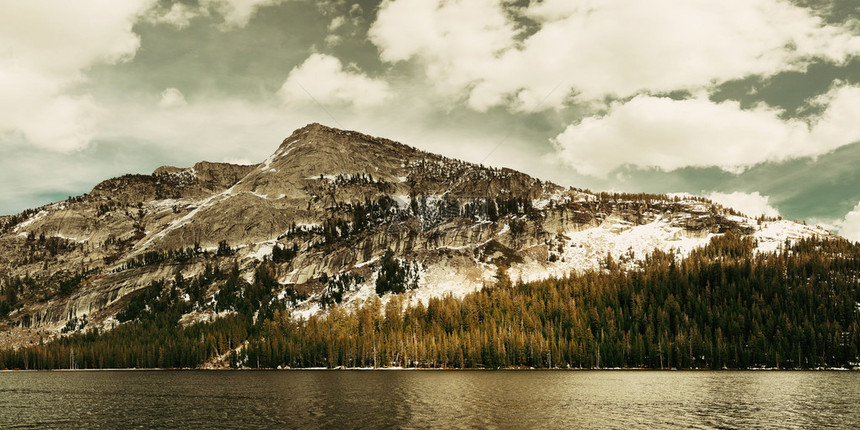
x: 306, y: 310
x: 444, y: 279
x: 259, y: 251
x: 73, y: 239
x: 626, y: 243
x: 41, y: 214
x: 771, y: 235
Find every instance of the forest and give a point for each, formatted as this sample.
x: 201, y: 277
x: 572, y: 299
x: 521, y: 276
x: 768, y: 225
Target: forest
x: 723, y: 306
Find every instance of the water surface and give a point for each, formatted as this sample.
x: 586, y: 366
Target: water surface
x: 423, y: 399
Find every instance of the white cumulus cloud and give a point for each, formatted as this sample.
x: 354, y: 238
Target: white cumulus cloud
x: 668, y: 134
x: 325, y: 79
x: 457, y: 41
x: 750, y: 204
x: 849, y: 228
x: 46, y: 46
x: 472, y: 49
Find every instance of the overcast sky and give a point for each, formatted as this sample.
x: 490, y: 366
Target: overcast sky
x: 754, y: 103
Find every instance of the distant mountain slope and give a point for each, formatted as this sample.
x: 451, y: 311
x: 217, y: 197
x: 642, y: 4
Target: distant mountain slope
x: 341, y: 216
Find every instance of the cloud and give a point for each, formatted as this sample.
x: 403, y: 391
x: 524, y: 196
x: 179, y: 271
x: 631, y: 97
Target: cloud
x: 849, y: 228
x: 239, y: 161
x: 178, y: 15
x: 236, y: 13
x: 474, y: 50
x: 336, y: 22
x: 210, y: 128
x: 837, y: 125
x: 348, y: 24
x: 45, y: 47
x: 456, y: 41
x: 172, y: 97
x: 333, y: 39
x: 37, y: 108
x: 668, y: 134
x: 328, y: 82
x: 750, y: 204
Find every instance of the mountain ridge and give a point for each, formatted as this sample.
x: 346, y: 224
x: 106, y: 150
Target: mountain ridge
x: 331, y: 202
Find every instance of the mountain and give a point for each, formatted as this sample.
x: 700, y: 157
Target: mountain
x: 335, y: 217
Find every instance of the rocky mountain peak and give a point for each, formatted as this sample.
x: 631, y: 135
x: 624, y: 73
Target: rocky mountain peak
x: 322, y: 137
x: 317, y: 153
x: 335, y: 149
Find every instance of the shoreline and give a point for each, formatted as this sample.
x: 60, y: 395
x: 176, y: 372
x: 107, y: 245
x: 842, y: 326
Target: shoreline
x: 388, y: 369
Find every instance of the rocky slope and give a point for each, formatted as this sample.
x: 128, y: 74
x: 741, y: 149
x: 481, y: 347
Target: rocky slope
x: 328, y: 203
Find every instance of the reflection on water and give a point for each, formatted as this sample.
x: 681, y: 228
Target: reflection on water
x: 421, y: 399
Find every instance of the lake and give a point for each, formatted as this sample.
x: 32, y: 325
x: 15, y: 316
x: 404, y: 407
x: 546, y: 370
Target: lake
x: 430, y: 399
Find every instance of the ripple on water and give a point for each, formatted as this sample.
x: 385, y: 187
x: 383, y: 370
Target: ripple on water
x: 422, y: 399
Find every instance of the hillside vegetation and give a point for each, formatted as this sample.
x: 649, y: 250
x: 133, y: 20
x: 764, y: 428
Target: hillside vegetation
x: 723, y: 306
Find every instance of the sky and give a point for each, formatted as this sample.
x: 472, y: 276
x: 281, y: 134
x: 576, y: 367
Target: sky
x: 752, y: 103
